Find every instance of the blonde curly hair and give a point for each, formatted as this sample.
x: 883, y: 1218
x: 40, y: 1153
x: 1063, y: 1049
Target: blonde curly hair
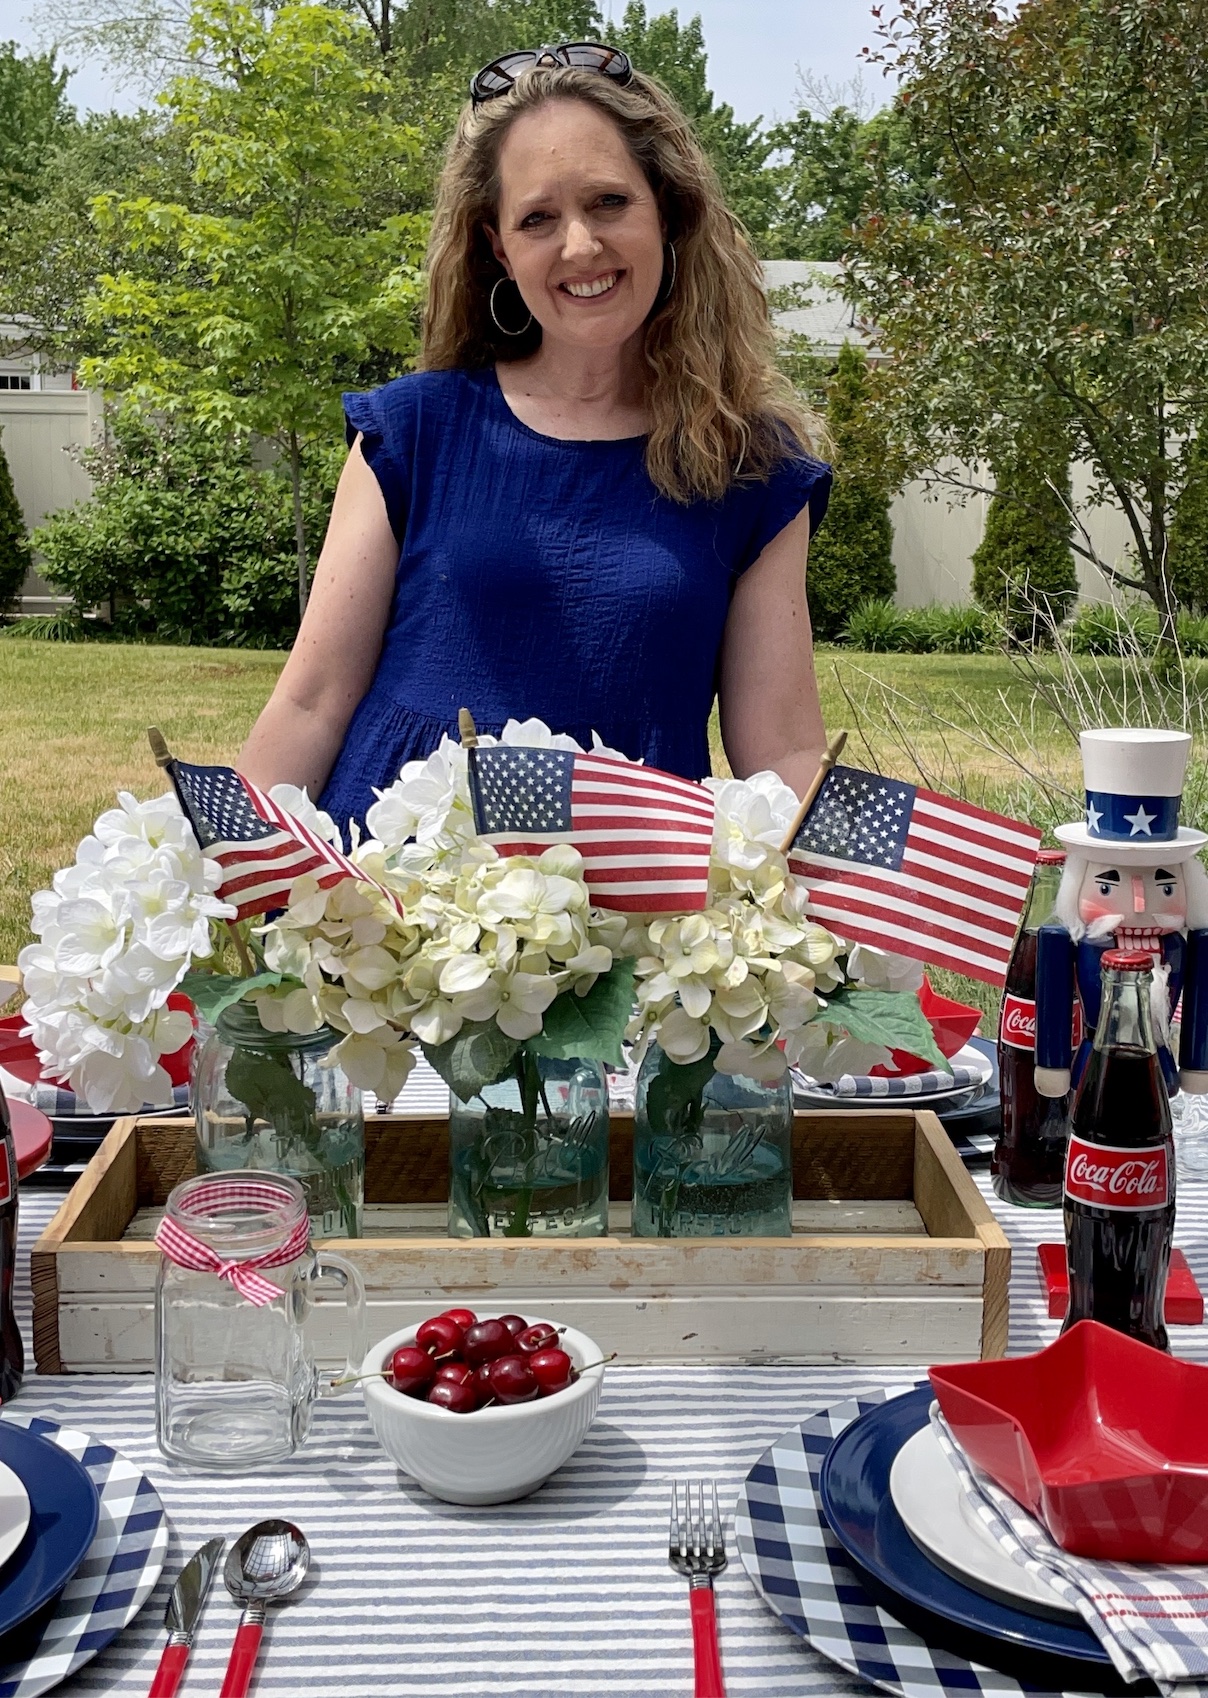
x: 720, y: 411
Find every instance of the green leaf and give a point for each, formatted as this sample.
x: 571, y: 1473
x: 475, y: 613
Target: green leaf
x: 890, y: 1018
x: 210, y: 993
x: 267, y: 1086
x: 478, y: 1056
x: 591, y: 1027
x: 673, y: 1099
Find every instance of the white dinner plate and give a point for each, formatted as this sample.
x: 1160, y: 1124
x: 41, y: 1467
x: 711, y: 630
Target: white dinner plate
x: 927, y: 1495
x: 14, y: 1512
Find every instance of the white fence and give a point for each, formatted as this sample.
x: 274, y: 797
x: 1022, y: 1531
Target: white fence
x: 934, y: 538
x: 43, y: 430
x: 933, y: 544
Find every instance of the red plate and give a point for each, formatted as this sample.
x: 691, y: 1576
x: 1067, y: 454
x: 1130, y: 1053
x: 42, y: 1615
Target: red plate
x: 1101, y: 1438
x: 32, y: 1133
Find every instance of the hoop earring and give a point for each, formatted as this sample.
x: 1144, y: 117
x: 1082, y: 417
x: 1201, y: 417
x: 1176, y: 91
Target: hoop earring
x: 501, y: 326
x: 666, y: 294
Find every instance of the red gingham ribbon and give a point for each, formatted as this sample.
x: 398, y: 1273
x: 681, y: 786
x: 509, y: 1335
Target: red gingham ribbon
x: 180, y: 1246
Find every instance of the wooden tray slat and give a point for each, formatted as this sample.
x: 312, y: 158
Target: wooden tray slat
x: 894, y: 1256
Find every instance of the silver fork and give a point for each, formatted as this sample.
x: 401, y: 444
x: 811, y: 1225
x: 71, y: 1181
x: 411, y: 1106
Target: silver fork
x: 698, y: 1550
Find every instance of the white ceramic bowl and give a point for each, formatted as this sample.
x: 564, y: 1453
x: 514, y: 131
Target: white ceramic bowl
x: 496, y: 1454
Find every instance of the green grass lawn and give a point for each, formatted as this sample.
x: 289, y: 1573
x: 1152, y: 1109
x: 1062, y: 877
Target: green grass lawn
x: 73, y: 722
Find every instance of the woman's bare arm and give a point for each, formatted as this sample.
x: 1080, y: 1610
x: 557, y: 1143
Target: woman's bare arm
x: 298, y: 735
x: 770, y: 712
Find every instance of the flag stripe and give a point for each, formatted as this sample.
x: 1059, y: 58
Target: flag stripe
x: 864, y: 898
x: 997, y: 826
x: 918, y: 875
x: 907, y: 894
x: 885, y: 934
x: 972, y: 856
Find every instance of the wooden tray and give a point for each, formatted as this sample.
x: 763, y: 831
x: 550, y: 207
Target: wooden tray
x: 894, y: 1257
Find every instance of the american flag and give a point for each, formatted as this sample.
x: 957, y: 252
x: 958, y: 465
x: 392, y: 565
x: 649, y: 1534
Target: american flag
x: 645, y: 835
x: 260, y: 847
x: 914, y: 872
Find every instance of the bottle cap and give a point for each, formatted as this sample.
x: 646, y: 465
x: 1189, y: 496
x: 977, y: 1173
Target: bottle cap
x: 1128, y: 960
x: 1051, y: 858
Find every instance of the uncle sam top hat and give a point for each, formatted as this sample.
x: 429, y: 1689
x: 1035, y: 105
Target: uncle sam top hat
x: 1134, y: 783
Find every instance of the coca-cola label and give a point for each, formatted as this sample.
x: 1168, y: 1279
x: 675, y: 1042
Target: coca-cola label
x: 1109, y: 1177
x: 1018, y: 1025
x: 1018, y: 1022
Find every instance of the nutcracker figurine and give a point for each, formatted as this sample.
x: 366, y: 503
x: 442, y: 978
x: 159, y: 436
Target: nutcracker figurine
x: 1131, y: 881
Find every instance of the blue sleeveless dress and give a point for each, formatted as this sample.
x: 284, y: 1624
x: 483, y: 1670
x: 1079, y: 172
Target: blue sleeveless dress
x: 542, y: 578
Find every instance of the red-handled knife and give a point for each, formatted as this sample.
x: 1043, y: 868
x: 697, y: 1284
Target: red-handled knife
x: 180, y: 1617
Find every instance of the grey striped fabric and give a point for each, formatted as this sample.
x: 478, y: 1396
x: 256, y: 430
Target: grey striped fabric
x: 567, y: 1593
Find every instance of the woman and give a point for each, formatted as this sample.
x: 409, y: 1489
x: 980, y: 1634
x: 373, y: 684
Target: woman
x: 592, y: 504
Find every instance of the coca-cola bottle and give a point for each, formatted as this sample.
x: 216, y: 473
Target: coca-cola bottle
x: 12, y: 1352
x: 1029, y: 1156
x: 1119, y: 1170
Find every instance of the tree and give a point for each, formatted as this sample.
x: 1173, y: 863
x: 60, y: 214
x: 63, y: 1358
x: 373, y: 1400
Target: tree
x: 851, y: 556
x: 831, y: 166
x: 51, y: 252
x: 662, y: 47
x: 1065, y: 268
x: 14, y: 544
x: 34, y: 112
x: 277, y: 290
x: 183, y: 537
x: 1023, y: 568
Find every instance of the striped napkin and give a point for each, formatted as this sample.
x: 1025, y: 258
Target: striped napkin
x: 1151, y: 1619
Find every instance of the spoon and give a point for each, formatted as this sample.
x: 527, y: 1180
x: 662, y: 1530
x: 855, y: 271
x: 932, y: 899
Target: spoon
x: 266, y: 1563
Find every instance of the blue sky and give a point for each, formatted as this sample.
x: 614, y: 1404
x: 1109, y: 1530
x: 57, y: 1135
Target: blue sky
x: 755, y: 48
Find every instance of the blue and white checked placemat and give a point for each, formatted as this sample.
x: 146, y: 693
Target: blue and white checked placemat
x: 117, y: 1575
x: 803, y: 1572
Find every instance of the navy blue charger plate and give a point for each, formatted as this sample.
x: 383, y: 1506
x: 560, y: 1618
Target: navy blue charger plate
x: 854, y: 1490
x: 64, y: 1509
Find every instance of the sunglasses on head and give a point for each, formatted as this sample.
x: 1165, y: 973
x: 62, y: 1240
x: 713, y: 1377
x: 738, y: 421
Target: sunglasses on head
x: 499, y: 76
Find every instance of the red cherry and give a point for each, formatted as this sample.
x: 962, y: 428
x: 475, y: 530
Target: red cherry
x: 516, y: 1324
x: 511, y: 1381
x: 410, y: 1369
x: 552, y: 1368
x: 458, y: 1400
x: 464, y: 1317
x: 540, y: 1336
x: 441, y: 1336
x: 486, y: 1341
x: 482, y: 1379
x: 457, y: 1373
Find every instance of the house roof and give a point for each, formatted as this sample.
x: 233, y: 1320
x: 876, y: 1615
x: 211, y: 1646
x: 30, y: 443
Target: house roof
x: 823, y: 316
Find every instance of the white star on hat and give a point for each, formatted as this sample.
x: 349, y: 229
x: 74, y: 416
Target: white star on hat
x: 1140, y: 821
x: 1093, y: 816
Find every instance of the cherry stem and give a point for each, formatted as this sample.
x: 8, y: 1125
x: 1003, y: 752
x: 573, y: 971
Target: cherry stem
x: 587, y: 1365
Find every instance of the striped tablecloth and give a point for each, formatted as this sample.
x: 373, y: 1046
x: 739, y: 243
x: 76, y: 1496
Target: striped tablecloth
x: 567, y: 1593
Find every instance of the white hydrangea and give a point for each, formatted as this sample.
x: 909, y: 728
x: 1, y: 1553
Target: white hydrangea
x: 117, y: 933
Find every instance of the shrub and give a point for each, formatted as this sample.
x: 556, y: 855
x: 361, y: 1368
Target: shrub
x: 184, y: 537
x: 851, y: 556
x: 879, y: 627
x: 14, y: 544
x: 1193, y: 636
x: 1022, y: 568
x: 1104, y: 628
x: 963, y: 629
